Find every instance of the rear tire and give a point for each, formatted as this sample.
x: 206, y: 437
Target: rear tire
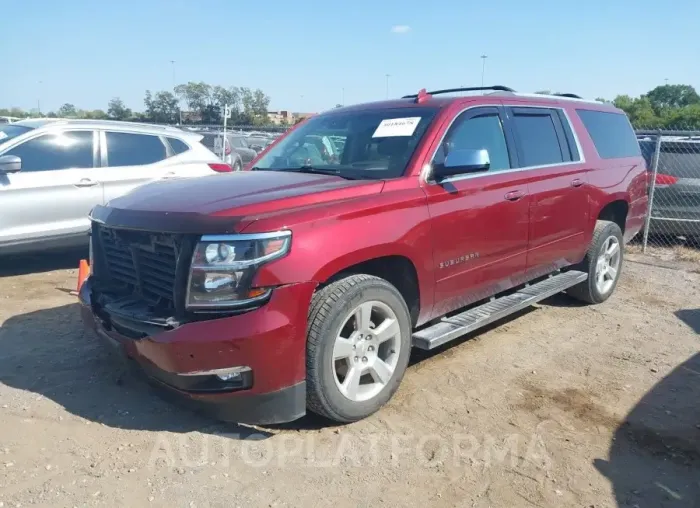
x: 603, y: 264
x: 359, y: 341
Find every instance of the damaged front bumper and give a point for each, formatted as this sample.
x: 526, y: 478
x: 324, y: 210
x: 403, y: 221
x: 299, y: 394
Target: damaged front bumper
x: 245, y: 368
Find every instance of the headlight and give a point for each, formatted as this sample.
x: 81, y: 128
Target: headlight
x: 223, y: 268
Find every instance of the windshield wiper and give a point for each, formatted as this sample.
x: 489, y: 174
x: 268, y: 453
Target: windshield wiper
x: 309, y: 169
x: 323, y: 171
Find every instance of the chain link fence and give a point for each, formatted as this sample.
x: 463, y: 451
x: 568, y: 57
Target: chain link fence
x: 673, y: 221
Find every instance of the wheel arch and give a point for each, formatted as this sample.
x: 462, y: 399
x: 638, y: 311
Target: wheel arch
x: 615, y: 211
x: 398, y: 268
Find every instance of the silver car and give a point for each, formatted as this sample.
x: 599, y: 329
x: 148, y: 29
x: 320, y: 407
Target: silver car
x: 53, y: 172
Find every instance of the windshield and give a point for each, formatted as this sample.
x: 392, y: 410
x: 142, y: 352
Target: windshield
x: 374, y: 143
x: 9, y: 131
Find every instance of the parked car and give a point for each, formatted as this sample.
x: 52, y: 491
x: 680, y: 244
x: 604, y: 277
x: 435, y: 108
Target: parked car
x: 303, y: 283
x: 240, y: 145
x: 676, y: 207
x: 259, y: 143
x: 53, y: 172
x: 235, y: 153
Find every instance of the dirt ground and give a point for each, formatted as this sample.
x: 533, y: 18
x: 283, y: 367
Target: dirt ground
x: 564, y: 405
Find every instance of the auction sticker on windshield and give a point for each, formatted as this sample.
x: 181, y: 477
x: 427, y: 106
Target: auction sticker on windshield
x: 396, y: 127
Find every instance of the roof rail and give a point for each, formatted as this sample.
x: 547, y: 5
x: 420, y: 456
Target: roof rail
x: 498, y: 88
x: 569, y: 95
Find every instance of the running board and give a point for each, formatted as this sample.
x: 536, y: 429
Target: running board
x: 450, y: 328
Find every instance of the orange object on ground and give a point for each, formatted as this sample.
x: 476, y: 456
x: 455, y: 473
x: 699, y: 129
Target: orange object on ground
x: 83, y: 272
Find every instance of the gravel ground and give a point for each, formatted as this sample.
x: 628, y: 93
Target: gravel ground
x: 563, y: 405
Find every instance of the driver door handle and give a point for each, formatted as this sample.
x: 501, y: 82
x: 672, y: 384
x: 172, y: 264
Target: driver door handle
x: 86, y: 182
x: 514, y: 195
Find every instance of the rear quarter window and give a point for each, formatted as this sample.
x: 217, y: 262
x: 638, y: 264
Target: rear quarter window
x: 178, y: 146
x: 611, y: 133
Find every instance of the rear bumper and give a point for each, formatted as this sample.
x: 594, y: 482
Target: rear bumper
x: 270, y: 341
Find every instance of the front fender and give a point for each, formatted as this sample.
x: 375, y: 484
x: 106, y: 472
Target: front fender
x: 396, y: 223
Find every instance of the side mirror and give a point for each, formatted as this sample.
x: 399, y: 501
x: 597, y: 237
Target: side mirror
x: 10, y: 164
x: 459, y: 162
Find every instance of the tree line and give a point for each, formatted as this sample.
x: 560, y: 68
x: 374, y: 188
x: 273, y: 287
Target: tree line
x: 204, y: 105
x: 664, y: 107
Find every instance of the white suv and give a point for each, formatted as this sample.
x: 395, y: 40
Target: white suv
x: 53, y: 172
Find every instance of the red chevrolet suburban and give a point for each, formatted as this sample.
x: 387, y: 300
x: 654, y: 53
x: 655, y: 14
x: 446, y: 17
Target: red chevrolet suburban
x: 304, y: 282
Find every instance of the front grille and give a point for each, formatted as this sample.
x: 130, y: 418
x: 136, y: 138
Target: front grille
x: 140, y: 262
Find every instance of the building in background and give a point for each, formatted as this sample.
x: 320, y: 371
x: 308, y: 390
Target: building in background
x: 284, y: 117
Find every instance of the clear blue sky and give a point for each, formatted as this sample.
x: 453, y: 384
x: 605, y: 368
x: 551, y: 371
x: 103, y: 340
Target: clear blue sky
x: 84, y: 51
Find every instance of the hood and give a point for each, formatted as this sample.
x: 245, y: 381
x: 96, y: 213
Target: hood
x: 227, y: 198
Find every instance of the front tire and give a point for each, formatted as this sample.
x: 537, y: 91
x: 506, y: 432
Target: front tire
x: 603, y: 263
x: 359, y: 341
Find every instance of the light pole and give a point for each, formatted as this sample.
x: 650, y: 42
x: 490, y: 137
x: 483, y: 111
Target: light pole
x: 483, y: 68
x: 387, y: 85
x: 38, y: 100
x: 179, y: 109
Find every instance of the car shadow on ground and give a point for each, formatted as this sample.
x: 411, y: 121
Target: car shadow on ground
x: 690, y: 317
x: 654, y: 457
x: 11, y: 266
x: 48, y: 352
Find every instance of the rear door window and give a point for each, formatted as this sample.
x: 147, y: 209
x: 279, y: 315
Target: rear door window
x: 127, y: 149
x: 62, y: 150
x: 541, y: 138
x: 611, y: 133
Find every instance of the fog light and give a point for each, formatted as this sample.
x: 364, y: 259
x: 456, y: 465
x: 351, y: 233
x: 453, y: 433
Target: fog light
x: 217, y: 380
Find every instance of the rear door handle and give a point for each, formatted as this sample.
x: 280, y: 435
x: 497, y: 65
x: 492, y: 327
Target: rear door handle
x: 86, y: 182
x: 514, y: 195
x: 576, y: 182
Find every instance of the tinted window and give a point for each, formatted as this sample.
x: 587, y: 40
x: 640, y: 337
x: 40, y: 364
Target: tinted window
x: 213, y: 142
x: 676, y: 158
x: 209, y: 140
x: 178, y: 146
x: 569, y: 133
x: 63, y: 150
x: 538, y: 138
x: 125, y: 149
x: 611, y: 133
x: 479, y: 132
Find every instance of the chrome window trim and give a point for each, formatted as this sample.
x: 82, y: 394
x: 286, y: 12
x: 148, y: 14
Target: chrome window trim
x: 426, y: 172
